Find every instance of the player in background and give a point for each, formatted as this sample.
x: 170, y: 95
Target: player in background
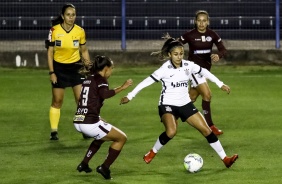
x: 200, y: 41
x: 174, y: 101
x: 87, y: 120
x: 66, y: 43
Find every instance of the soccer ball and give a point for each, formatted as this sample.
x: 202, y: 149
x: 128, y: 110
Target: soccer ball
x: 193, y: 162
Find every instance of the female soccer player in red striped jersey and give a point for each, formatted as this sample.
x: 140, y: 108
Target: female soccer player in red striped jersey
x: 174, y: 101
x: 201, y: 40
x: 87, y: 120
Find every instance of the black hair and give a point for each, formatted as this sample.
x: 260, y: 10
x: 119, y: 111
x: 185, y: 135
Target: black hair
x: 100, y: 62
x: 168, y: 45
x: 173, y: 44
x: 59, y: 18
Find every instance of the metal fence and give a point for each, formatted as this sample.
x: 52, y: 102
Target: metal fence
x: 127, y: 20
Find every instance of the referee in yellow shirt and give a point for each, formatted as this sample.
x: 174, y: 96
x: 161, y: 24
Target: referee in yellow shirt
x: 66, y: 43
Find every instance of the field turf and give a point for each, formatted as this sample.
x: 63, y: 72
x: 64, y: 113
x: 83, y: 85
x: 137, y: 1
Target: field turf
x: 250, y: 116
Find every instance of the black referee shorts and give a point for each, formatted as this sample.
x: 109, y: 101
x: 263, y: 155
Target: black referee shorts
x: 67, y: 74
x: 182, y: 112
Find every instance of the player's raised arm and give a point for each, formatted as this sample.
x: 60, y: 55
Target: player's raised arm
x: 145, y: 83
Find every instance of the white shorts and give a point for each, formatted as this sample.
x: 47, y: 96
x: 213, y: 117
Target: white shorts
x: 197, y: 79
x: 97, y: 130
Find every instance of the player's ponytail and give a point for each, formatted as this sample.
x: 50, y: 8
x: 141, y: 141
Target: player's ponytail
x: 163, y: 53
x: 100, y: 62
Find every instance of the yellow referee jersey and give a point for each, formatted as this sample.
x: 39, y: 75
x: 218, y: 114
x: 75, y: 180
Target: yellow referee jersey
x: 66, y: 44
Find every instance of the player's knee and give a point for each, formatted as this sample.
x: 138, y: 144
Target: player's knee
x: 123, y: 138
x: 205, y: 132
x: 171, y: 133
x: 193, y: 99
x: 207, y: 97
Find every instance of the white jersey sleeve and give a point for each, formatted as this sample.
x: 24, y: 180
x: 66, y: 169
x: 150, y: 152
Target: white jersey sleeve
x: 211, y: 77
x: 145, y: 83
x: 199, y: 70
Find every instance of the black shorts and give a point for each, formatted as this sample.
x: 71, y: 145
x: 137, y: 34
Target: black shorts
x: 67, y: 74
x: 182, y: 112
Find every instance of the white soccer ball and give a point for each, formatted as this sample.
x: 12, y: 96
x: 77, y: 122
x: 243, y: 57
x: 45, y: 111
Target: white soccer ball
x: 193, y: 162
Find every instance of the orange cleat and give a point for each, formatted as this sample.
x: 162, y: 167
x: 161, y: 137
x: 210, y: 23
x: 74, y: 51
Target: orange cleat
x: 215, y: 130
x: 149, y: 156
x: 228, y: 161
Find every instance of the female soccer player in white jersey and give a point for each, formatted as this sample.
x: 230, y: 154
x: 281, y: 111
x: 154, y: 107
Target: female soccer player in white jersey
x: 174, y: 100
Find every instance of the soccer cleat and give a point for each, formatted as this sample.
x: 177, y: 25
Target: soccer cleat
x: 215, y: 130
x: 54, y: 136
x: 106, y: 173
x: 149, y: 156
x: 228, y: 161
x: 83, y: 167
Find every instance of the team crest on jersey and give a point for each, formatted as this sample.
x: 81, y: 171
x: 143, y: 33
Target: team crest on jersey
x: 170, y: 66
x: 75, y: 43
x: 208, y: 39
x: 168, y: 109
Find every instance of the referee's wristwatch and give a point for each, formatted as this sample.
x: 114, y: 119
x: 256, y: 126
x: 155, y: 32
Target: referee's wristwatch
x: 50, y: 73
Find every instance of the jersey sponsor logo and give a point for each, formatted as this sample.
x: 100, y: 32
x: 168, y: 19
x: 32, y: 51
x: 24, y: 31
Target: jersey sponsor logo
x: 78, y: 118
x: 97, y: 136
x: 179, y: 84
x: 87, y: 82
x: 168, y: 109
x: 58, y: 43
x: 203, y: 38
x: 75, y: 43
x: 187, y: 71
x: 60, y: 35
x: 81, y: 111
x: 202, y: 51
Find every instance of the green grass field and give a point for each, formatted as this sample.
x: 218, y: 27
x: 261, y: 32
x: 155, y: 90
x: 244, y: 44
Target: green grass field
x: 251, y: 118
